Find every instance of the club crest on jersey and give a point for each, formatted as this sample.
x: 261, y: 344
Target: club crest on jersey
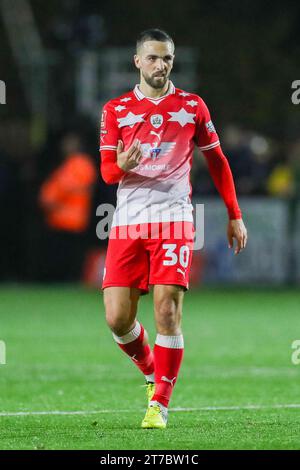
x: 210, y: 127
x: 156, y: 120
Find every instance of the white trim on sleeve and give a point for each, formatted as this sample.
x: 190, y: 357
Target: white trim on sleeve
x: 107, y: 147
x: 210, y: 146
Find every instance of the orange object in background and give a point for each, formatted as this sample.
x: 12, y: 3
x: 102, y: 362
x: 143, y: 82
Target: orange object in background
x: 66, y: 196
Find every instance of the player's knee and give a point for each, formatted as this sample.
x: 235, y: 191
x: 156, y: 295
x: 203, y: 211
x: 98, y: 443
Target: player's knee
x: 118, y: 315
x: 119, y: 323
x: 167, y: 316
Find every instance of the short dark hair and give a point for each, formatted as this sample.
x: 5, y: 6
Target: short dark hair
x: 154, y: 34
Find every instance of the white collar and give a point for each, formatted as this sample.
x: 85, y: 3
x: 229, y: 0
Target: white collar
x: 140, y: 96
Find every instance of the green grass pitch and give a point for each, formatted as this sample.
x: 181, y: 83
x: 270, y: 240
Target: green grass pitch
x: 237, y: 373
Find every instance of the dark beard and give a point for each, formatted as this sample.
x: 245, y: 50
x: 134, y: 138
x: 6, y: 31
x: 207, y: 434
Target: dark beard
x: 154, y: 84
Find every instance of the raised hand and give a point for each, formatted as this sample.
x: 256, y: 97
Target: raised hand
x: 130, y: 158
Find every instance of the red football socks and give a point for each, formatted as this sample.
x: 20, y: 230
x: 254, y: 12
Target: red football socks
x: 165, y: 359
x: 140, y: 354
x: 168, y: 354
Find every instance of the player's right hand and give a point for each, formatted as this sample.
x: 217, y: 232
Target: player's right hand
x: 131, y: 158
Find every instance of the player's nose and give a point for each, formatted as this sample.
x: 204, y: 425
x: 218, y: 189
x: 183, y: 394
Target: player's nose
x: 159, y: 65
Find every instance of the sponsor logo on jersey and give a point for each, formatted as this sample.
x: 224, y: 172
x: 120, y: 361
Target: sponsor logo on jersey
x: 147, y: 167
x: 103, y: 119
x: 154, y: 152
x: 210, y: 127
x: 156, y: 120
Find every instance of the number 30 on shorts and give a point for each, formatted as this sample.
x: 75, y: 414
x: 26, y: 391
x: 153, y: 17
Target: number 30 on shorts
x: 184, y: 254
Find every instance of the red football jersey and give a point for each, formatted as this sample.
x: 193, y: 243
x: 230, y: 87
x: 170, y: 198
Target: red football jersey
x: 158, y: 189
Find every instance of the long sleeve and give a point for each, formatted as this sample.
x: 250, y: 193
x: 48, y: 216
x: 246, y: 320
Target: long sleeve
x: 110, y: 171
x: 207, y: 139
x: 222, y: 177
x: 109, y: 136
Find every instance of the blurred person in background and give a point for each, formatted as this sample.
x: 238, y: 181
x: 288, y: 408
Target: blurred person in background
x: 249, y: 155
x: 281, y: 181
x: 66, y: 201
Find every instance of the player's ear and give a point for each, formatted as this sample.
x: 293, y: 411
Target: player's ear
x: 136, y: 61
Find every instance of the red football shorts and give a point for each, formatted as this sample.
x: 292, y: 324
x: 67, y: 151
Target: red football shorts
x: 147, y: 254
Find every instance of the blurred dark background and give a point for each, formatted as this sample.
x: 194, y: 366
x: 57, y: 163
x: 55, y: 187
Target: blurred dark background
x: 61, y: 60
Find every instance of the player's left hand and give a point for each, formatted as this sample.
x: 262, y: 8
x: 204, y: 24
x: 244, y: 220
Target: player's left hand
x: 236, y: 229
